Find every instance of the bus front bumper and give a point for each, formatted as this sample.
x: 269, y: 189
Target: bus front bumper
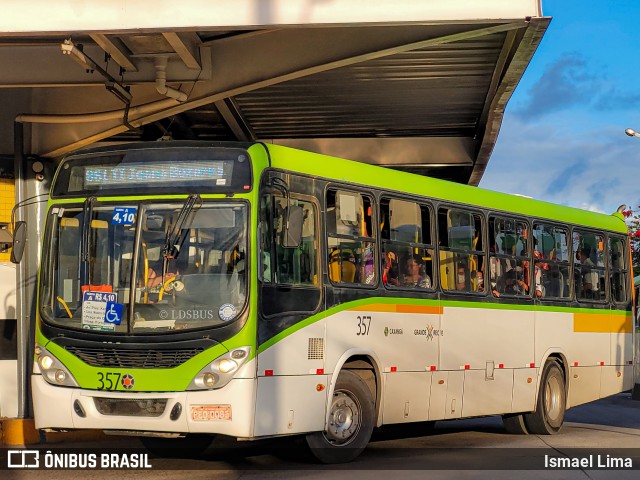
x: 226, y: 411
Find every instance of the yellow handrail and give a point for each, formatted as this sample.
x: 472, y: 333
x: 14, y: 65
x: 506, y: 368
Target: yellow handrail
x: 145, y: 259
x: 164, y: 286
x: 64, y: 304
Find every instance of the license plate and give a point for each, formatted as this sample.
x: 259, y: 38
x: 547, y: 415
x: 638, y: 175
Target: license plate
x: 204, y: 413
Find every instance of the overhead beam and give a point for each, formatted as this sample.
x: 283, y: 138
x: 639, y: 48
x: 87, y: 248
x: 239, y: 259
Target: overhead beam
x: 186, y: 46
x: 52, y: 68
x: 510, y: 78
x: 230, y: 113
x: 315, y: 52
x: 392, y: 152
x: 498, y: 72
x: 145, y: 15
x: 116, y: 49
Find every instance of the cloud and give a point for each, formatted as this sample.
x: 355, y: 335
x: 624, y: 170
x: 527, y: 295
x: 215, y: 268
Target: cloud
x: 566, y: 177
x: 591, y: 208
x: 565, y: 83
x: 596, y: 168
x: 614, y: 99
x: 570, y: 84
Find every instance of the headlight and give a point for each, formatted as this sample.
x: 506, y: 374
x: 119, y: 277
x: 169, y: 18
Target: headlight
x: 60, y: 376
x: 225, y: 365
x: 220, y: 372
x: 52, y: 369
x: 45, y: 362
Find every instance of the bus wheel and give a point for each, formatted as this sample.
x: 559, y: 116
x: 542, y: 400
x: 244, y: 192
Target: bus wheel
x: 514, y: 424
x: 552, y: 402
x: 351, y: 420
x: 192, y: 445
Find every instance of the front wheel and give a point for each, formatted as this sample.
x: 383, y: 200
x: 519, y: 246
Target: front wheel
x: 351, y: 421
x: 552, y: 402
x: 514, y: 424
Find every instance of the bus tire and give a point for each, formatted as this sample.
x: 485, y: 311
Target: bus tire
x: 514, y: 424
x: 552, y: 401
x: 192, y: 445
x: 351, y: 421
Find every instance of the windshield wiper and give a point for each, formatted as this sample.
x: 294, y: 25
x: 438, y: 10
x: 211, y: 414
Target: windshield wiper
x: 175, y: 235
x: 87, y: 211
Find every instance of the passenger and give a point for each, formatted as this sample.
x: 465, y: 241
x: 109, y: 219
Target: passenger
x: 495, y: 273
x: 589, y: 276
x: 462, y: 279
x: 155, y: 278
x: 414, y: 276
x: 513, y: 283
x: 368, y: 266
x: 390, y: 274
x: 539, y: 268
x: 479, y: 281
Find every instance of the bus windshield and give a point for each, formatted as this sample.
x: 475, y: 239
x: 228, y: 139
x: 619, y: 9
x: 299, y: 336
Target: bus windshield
x: 145, y: 268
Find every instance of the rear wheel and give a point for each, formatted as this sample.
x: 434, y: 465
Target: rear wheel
x: 351, y: 421
x: 552, y: 402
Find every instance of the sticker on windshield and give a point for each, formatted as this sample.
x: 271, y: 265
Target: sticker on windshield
x: 100, y: 311
x: 124, y: 216
x: 227, y: 312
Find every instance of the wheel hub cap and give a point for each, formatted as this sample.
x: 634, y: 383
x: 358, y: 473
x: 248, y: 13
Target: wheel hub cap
x: 344, y: 419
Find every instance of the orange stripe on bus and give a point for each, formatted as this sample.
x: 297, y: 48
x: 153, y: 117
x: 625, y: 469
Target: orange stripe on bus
x: 602, y: 323
x: 375, y: 307
x: 384, y: 307
x: 432, y: 309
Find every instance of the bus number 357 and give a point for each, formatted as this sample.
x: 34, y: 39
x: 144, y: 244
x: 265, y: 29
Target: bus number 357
x: 364, y: 322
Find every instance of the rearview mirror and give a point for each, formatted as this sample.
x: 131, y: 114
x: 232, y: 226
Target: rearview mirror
x: 154, y: 223
x: 292, y: 231
x: 19, y: 241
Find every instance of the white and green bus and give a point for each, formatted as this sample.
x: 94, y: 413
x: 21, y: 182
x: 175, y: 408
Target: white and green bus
x: 254, y: 291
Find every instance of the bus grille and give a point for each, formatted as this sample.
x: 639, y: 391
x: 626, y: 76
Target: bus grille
x: 150, y: 407
x: 114, y: 357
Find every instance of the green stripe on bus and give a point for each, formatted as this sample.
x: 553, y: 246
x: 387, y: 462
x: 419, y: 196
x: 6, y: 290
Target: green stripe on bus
x: 428, y: 302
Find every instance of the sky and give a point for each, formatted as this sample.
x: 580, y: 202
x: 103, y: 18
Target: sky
x: 562, y: 138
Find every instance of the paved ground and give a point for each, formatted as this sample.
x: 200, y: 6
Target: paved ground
x: 473, y: 448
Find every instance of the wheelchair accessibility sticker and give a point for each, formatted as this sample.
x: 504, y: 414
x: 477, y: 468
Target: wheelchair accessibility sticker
x: 100, y: 311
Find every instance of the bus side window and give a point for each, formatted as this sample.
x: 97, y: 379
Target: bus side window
x: 462, y: 256
x: 618, y: 270
x: 508, y: 257
x: 351, y: 256
x: 408, y: 255
x: 551, y: 261
x: 291, y: 266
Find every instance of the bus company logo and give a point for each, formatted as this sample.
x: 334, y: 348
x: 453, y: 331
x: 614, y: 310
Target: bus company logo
x: 127, y: 381
x: 392, y: 331
x: 430, y: 332
x: 23, y: 459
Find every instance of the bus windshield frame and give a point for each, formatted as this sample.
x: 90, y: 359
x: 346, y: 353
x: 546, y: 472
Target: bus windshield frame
x: 201, y: 282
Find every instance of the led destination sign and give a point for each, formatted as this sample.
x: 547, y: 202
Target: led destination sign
x: 153, y: 170
x: 218, y: 171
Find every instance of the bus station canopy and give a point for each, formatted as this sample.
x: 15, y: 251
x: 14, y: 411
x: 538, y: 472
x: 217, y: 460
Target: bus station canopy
x: 418, y: 86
